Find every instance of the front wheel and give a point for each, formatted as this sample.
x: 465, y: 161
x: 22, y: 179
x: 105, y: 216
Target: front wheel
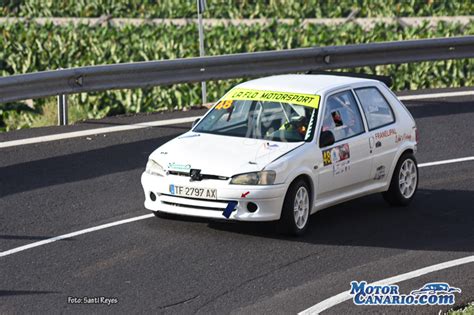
x: 296, y: 209
x: 404, y: 181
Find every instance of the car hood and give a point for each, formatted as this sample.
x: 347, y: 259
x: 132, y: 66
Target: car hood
x: 219, y: 155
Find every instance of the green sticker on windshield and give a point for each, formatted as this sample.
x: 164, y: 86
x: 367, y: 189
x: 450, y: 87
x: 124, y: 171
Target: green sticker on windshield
x: 273, y: 96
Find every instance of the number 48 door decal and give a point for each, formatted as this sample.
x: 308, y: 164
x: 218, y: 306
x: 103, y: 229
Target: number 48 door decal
x: 338, y: 157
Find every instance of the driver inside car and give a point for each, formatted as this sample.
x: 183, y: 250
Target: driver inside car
x: 297, y: 124
x: 294, y: 129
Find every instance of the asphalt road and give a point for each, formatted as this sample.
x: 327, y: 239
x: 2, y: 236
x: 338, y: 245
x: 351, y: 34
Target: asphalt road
x: 198, y: 266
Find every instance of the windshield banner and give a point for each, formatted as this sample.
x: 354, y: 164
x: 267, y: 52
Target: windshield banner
x: 273, y: 96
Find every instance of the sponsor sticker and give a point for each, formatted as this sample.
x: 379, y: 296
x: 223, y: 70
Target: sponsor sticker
x: 385, y: 133
x: 339, y: 158
x: 403, y: 137
x: 224, y: 104
x: 179, y: 167
x: 270, y: 96
x: 229, y: 209
x: 336, y: 154
x: 380, y: 173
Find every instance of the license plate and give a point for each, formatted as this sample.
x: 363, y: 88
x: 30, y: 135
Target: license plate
x: 193, y: 192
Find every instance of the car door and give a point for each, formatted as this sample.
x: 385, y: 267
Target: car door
x: 383, y: 135
x: 348, y: 161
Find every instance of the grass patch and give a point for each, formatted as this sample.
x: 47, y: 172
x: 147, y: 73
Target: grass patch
x: 464, y: 310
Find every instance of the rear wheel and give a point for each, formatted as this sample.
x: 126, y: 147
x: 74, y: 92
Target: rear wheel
x: 404, y: 181
x: 296, y: 209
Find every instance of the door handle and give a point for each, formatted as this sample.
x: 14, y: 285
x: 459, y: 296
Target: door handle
x: 371, y: 142
x: 378, y: 144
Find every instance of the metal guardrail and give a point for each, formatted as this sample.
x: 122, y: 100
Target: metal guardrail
x: 167, y: 72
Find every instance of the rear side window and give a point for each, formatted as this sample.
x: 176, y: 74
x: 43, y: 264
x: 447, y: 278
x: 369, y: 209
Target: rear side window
x: 376, y: 108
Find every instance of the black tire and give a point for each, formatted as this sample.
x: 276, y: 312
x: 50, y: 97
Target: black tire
x: 287, y: 224
x: 394, y: 195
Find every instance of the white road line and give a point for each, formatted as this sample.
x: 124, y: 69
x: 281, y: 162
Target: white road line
x: 464, y: 159
x: 434, y: 95
x: 69, y: 235
x: 104, y: 226
x: 91, y: 132
x: 344, y: 296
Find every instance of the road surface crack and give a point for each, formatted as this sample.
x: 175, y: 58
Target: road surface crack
x: 179, y: 303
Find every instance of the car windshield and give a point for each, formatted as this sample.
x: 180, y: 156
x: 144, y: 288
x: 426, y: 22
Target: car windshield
x: 261, y: 115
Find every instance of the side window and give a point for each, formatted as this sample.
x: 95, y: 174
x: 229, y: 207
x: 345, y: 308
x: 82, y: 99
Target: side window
x: 376, y: 108
x: 342, y: 116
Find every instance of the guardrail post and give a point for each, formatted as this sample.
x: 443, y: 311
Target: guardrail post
x: 201, y: 4
x: 62, y: 110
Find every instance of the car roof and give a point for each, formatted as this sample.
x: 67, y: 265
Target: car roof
x: 301, y: 83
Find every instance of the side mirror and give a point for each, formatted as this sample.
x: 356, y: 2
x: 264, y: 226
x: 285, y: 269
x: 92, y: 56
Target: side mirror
x: 195, y: 122
x: 326, y: 139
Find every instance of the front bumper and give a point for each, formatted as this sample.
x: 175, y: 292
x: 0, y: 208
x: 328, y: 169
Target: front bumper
x: 269, y: 199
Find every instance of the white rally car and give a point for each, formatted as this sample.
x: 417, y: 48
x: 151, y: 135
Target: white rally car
x: 283, y: 147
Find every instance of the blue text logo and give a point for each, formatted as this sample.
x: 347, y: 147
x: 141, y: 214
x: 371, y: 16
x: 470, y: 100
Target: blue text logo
x: 436, y: 293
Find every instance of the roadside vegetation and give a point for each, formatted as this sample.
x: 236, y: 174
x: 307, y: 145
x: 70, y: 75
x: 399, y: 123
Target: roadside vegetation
x: 29, y: 47
x: 467, y: 310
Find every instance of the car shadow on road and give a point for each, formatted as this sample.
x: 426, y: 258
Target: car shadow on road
x: 78, y: 166
x: 435, y: 220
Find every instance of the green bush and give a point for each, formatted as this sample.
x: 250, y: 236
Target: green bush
x: 29, y: 47
x: 234, y: 9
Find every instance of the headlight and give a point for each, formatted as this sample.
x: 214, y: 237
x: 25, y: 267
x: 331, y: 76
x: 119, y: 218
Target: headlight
x: 154, y: 168
x: 255, y: 178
